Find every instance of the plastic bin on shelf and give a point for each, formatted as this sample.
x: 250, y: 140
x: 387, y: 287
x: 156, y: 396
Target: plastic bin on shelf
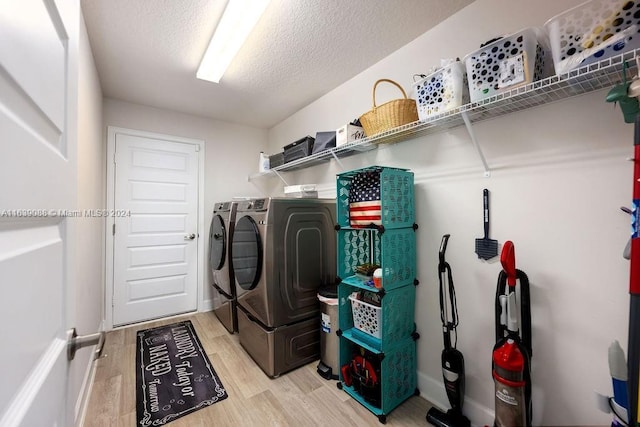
x: 276, y: 160
x: 298, y: 149
x: 441, y: 91
x: 593, y: 31
x: 507, y: 63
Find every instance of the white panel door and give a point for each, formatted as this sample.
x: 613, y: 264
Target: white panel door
x: 38, y: 178
x: 156, y: 217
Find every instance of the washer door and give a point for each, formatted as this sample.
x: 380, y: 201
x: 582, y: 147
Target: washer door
x: 217, y: 243
x: 246, y: 253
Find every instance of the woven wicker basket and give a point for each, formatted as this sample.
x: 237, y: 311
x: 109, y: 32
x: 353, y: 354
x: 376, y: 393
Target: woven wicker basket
x: 390, y: 114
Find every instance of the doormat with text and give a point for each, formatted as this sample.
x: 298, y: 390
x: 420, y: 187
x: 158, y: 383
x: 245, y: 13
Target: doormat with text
x: 174, y: 376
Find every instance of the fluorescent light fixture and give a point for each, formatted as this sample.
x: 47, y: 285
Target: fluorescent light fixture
x: 238, y: 19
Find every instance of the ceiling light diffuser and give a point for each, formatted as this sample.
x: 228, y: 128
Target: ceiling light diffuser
x: 238, y: 19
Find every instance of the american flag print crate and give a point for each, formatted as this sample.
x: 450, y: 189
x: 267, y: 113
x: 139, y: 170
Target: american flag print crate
x: 394, y: 251
x: 375, y: 196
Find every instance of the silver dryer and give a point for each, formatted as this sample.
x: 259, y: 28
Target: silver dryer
x: 283, y: 250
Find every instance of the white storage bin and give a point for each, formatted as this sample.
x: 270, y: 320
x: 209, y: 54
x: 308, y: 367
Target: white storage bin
x: 441, y: 91
x: 366, y: 317
x: 348, y: 133
x: 301, y: 191
x: 593, y: 31
x: 507, y: 63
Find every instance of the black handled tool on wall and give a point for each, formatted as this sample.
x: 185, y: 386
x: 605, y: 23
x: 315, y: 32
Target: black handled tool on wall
x: 486, y: 248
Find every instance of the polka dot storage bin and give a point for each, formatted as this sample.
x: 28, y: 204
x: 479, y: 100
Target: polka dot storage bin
x: 507, y: 63
x: 593, y: 31
x: 366, y: 317
x: 441, y: 91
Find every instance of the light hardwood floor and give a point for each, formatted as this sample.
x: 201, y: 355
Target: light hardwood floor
x: 298, y: 398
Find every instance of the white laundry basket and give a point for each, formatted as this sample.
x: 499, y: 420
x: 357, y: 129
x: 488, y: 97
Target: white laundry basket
x: 593, y: 31
x: 441, y: 91
x: 507, y: 63
x: 366, y: 317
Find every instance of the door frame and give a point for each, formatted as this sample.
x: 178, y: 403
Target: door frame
x: 112, y: 131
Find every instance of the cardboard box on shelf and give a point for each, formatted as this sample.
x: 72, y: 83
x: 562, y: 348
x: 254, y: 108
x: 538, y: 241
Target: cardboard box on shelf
x: 348, y: 133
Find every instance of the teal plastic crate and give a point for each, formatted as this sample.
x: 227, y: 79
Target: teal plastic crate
x: 385, y: 328
x: 400, y: 381
x: 394, y: 250
x: 398, y: 378
x: 396, y: 196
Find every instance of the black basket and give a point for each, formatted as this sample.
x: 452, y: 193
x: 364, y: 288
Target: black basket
x: 299, y: 149
x: 324, y: 141
x: 276, y: 160
x: 372, y: 393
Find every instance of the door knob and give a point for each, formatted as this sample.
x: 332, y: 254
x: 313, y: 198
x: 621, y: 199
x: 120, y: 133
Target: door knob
x: 76, y: 342
x: 190, y: 236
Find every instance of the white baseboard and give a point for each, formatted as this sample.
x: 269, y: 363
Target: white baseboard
x: 433, y: 391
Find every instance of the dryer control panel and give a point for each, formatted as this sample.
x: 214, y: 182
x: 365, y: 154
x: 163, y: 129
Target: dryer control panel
x: 222, y: 207
x: 253, y: 205
x: 259, y: 204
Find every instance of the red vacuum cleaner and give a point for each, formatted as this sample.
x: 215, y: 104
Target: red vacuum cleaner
x: 512, y: 352
x: 633, y: 355
x: 452, y: 359
x: 626, y: 95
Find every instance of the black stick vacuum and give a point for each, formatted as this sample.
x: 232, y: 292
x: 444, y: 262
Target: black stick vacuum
x: 452, y: 359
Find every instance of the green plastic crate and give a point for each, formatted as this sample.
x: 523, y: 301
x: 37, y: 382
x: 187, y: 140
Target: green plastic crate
x: 400, y: 381
x: 394, y: 250
x: 398, y: 378
x: 394, y: 323
x: 396, y: 196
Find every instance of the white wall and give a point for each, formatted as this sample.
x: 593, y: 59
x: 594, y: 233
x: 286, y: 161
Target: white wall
x: 558, y: 178
x: 89, y: 263
x: 231, y: 153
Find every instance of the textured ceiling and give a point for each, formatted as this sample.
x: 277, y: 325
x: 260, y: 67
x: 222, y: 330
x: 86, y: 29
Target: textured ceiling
x: 147, y: 51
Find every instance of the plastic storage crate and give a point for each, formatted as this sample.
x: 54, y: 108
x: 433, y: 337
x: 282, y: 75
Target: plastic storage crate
x: 394, y: 251
x: 298, y: 149
x: 507, y: 63
x: 276, y: 160
x: 366, y: 317
x: 441, y: 91
x: 398, y: 379
x: 396, y: 196
x: 380, y: 328
x: 593, y: 31
x: 387, y: 333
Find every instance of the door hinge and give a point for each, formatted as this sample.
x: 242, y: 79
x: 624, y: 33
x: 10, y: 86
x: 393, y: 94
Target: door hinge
x: 113, y: 230
x: 114, y: 158
x: 197, y: 148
